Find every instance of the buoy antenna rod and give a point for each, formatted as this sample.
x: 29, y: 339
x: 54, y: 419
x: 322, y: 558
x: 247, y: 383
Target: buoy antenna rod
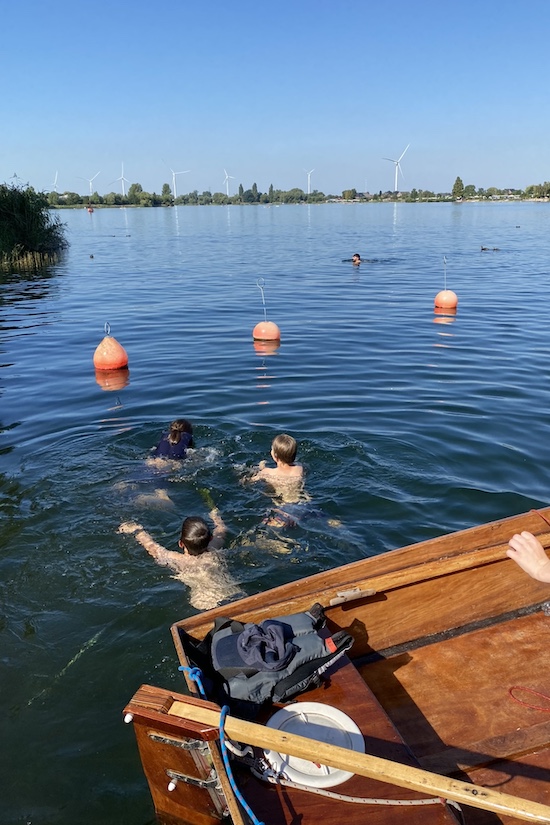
x: 260, y: 283
x: 445, y: 270
x: 107, y: 328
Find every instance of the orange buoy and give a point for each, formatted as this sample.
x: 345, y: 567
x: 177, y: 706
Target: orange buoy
x: 112, y: 380
x: 266, y: 347
x: 446, y: 299
x: 266, y: 331
x: 109, y: 354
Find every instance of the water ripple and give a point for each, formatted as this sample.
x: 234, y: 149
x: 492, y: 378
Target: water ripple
x: 409, y: 424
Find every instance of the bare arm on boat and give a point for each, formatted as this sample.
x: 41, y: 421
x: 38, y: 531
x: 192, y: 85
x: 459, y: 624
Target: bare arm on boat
x: 527, y: 551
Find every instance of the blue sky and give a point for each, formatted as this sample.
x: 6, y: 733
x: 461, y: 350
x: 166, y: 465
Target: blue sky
x: 269, y: 88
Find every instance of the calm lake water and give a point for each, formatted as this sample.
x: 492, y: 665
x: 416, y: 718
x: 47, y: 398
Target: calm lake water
x: 409, y: 424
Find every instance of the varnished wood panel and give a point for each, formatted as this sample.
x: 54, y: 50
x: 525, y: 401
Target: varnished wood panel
x: 528, y: 777
x: 150, y: 708
x: 451, y: 702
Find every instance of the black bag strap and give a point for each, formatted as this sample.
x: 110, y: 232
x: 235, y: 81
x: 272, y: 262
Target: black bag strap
x: 310, y: 671
x: 220, y: 622
x: 317, y: 613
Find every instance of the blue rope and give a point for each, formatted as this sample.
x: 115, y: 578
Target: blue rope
x: 225, y: 757
x: 195, y: 675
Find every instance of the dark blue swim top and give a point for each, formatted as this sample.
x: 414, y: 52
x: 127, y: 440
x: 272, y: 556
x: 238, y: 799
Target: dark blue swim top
x: 167, y: 450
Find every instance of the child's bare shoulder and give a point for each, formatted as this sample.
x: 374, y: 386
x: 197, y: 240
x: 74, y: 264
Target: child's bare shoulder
x: 292, y: 473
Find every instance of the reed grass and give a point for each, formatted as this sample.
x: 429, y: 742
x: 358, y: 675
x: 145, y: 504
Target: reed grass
x: 30, y: 236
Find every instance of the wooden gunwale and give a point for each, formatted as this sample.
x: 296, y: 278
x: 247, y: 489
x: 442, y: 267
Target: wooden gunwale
x: 467, y: 561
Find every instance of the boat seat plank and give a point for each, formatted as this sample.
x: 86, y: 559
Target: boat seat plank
x: 440, y: 696
x: 527, y: 777
x: 504, y: 746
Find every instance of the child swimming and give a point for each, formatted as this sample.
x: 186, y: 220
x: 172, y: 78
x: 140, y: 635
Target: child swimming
x: 200, y: 565
x: 172, y: 446
x: 286, y: 475
x: 291, y: 503
x: 174, y: 443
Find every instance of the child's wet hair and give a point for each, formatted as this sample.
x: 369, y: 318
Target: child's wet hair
x: 284, y: 448
x: 177, y: 428
x: 196, y: 535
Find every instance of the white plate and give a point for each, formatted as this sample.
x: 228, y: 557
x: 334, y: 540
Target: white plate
x: 324, y: 724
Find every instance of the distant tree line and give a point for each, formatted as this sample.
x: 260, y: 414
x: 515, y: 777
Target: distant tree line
x: 469, y: 192
x: 136, y: 196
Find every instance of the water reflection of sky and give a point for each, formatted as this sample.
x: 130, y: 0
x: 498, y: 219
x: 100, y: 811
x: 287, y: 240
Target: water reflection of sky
x: 410, y: 423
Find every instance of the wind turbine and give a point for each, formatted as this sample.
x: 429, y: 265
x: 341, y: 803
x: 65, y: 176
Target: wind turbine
x: 309, y: 180
x: 397, y: 166
x: 122, y: 180
x: 55, y: 182
x: 226, y: 181
x: 174, y: 190
x: 16, y: 179
x: 90, y: 181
